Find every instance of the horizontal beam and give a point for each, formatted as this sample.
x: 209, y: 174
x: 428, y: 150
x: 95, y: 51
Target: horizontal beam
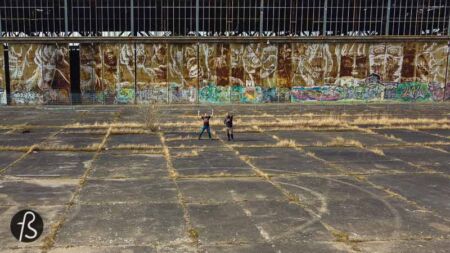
x: 186, y: 39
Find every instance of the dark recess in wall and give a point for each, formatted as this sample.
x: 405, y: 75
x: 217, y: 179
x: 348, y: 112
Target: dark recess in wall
x: 75, y: 74
x: 7, y: 78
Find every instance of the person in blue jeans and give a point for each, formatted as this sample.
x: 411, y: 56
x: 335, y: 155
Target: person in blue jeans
x: 205, y: 119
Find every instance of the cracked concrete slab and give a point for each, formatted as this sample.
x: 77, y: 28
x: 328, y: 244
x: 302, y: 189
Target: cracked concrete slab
x: 116, y: 164
x: 363, y: 212
x: 429, y: 158
x: 36, y: 192
x: 123, y: 224
x: 409, y: 136
x: 128, y: 190
x: 217, y: 190
x: 255, y: 194
x: 7, y: 157
x: 51, y: 164
x: 133, y: 139
x: 431, y: 191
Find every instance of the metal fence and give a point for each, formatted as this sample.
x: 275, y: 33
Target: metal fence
x: 156, y: 18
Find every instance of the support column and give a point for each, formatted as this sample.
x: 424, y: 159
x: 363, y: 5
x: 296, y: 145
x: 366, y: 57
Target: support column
x: 197, y: 17
x: 261, y: 18
x: 1, y: 31
x: 325, y: 13
x: 448, y: 27
x: 132, y: 18
x: 197, y: 33
x: 388, y: 17
x: 66, y: 19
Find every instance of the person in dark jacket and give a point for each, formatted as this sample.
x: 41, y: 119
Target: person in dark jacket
x: 228, y: 121
x: 206, y: 127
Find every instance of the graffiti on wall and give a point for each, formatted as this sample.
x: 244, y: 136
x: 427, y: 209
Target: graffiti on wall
x: 182, y: 73
x: 214, y: 73
x: 237, y: 73
x: 2, y: 79
x: 151, y: 73
x: 40, y: 74
x: 107, y: 73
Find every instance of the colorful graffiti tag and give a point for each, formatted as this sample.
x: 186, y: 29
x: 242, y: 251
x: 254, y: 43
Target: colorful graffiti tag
x: 231, y: 73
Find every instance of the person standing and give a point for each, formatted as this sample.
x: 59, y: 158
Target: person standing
x: 206, y: 127
x: 228, y: 121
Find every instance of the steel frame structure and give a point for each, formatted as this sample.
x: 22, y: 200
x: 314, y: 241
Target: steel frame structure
x: 223, y: 18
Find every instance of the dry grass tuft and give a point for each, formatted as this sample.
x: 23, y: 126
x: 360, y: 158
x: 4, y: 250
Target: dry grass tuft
x: 377, y: 151
x: 339, y: 142
x: 130, y: 131
x: 193, y: 234
x: 187, y: 154
x: 15, y: 148
x: 135, y: 147
x: 286, y: 143
x: 151, y: 115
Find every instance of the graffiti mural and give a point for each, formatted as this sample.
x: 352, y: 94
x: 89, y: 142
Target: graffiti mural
x: 2, y: 79
x: 408, y: 63
x: 413, y: 91
x: 394, y: 63
x: 230, y: 73
x: 377, y: 59
x: 151, y: 73
x: 182, y: 73
x: 318, y: 93
x: 92, y: 87
x: 309, y: 65
x: 214, y: 73
x: 40, y: 74
x: 107, y: 73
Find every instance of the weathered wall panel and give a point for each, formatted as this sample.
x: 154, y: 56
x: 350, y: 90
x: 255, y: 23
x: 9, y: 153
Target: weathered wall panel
x: 182, y: 74
x: 151, y: 73
x: 40, y: 74
x: 93, y: 90
x: 107, y: 73
x: 2, y: 78
x: 236, y: 73
x: 214, y: 73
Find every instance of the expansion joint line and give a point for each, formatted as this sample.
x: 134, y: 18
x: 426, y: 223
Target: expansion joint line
x: 425, y: 169
x: 30, y: 150
x: 364, y: 179
x: 292, y: 198
x: 192, y: 233
x: 49, y: 240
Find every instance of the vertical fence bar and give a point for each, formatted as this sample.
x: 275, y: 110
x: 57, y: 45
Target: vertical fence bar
x: 66, y: 19
x: 197, y: 17
x: 324, y: 19
x: 1, y: 30
x: 448, y: 26
x: 261, y: 17
x: 388, y: 17
x: 132, y: 18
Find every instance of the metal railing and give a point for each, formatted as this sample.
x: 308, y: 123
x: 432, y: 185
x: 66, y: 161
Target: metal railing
x: 214, y: 18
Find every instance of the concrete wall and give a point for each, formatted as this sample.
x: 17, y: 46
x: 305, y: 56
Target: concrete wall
x: 39, y: 74
x: 237, y: 73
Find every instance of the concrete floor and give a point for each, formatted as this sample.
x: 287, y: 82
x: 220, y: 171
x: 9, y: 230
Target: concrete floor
x: 298, y: 178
